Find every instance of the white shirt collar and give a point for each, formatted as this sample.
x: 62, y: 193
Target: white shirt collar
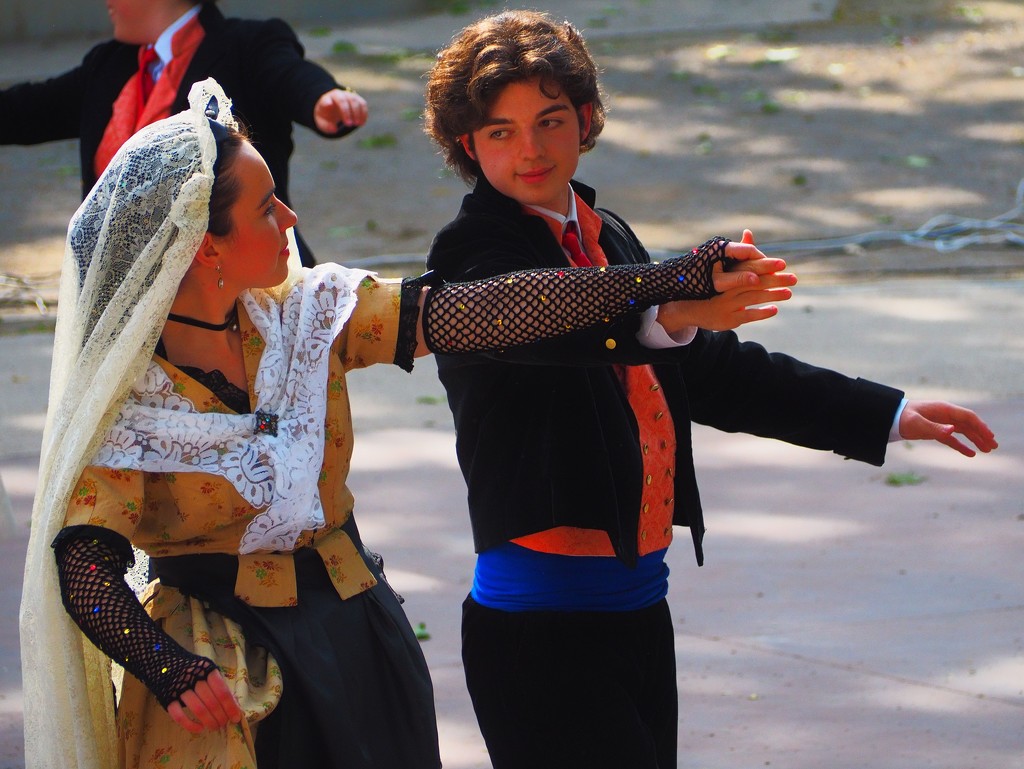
x: 163, y: 43
x: 570, y: 215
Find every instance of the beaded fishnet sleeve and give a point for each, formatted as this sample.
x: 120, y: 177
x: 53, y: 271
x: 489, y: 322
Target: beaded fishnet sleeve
x: 91, y: 564
x: 531, y: 305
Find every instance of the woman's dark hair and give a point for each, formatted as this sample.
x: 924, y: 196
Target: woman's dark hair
x: 488, y: 55
x: 226, y: 187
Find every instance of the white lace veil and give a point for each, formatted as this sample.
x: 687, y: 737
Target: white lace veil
x: 128, y: 246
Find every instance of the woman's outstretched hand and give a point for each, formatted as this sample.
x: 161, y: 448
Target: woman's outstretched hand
x: 748, y: 292
x: 752, y: 268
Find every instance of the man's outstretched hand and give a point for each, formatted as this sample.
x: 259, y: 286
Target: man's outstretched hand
x: 941, y: 421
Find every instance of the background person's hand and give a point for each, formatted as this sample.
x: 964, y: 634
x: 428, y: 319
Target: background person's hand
x: 339, y: 109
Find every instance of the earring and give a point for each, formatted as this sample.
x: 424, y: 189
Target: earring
x: 220, y: 278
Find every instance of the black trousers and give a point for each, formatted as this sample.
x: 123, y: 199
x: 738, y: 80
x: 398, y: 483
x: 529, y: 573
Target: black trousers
x: 573, y: 690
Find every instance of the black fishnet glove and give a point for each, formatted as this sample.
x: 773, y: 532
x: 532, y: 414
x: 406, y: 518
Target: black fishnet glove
x: 91, y: 564
x: 531, y: 305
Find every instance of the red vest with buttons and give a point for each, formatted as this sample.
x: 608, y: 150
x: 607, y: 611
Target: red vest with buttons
x: 657, y: 442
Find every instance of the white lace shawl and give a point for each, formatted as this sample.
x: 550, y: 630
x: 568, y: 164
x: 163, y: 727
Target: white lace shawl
x: 159, y: 430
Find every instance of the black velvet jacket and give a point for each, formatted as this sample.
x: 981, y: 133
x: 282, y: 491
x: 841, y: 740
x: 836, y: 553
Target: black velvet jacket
x: 545, y: 434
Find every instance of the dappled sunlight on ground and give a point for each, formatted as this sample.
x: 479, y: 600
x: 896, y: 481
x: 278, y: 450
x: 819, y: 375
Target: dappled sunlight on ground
x: 781, y: 528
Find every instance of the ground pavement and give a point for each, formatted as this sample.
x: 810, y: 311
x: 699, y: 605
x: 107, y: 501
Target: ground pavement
x: 847, y: 616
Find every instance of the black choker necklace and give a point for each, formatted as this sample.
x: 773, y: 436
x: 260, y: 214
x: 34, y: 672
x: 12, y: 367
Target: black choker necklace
x: 230, y: 323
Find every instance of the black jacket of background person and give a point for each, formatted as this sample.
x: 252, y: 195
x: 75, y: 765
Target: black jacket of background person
x: 545, y: 435
x: 259, y: 64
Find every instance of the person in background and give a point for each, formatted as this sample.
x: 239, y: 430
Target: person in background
x: 578, y: 470
x: 159, y: 49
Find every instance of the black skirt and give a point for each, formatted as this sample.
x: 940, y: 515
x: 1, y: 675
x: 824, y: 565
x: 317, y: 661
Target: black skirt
x: 357, y: 692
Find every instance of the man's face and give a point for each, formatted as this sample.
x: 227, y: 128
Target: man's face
x: 529, y: 147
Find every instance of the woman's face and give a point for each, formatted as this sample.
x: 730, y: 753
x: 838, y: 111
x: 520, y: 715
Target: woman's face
x: 255, y: 253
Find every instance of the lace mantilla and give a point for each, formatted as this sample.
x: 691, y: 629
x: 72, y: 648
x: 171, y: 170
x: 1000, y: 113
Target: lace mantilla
x: 272, y: 457
x: 129, y: 244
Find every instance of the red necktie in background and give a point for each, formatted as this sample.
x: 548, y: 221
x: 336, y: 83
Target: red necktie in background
x: 571, y: 243
x: 146, y: 57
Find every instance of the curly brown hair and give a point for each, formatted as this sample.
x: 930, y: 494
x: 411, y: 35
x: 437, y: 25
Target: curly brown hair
x: 488, y: 55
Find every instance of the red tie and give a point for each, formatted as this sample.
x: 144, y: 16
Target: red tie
x: 571, y: 243
x: 147, y: 56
